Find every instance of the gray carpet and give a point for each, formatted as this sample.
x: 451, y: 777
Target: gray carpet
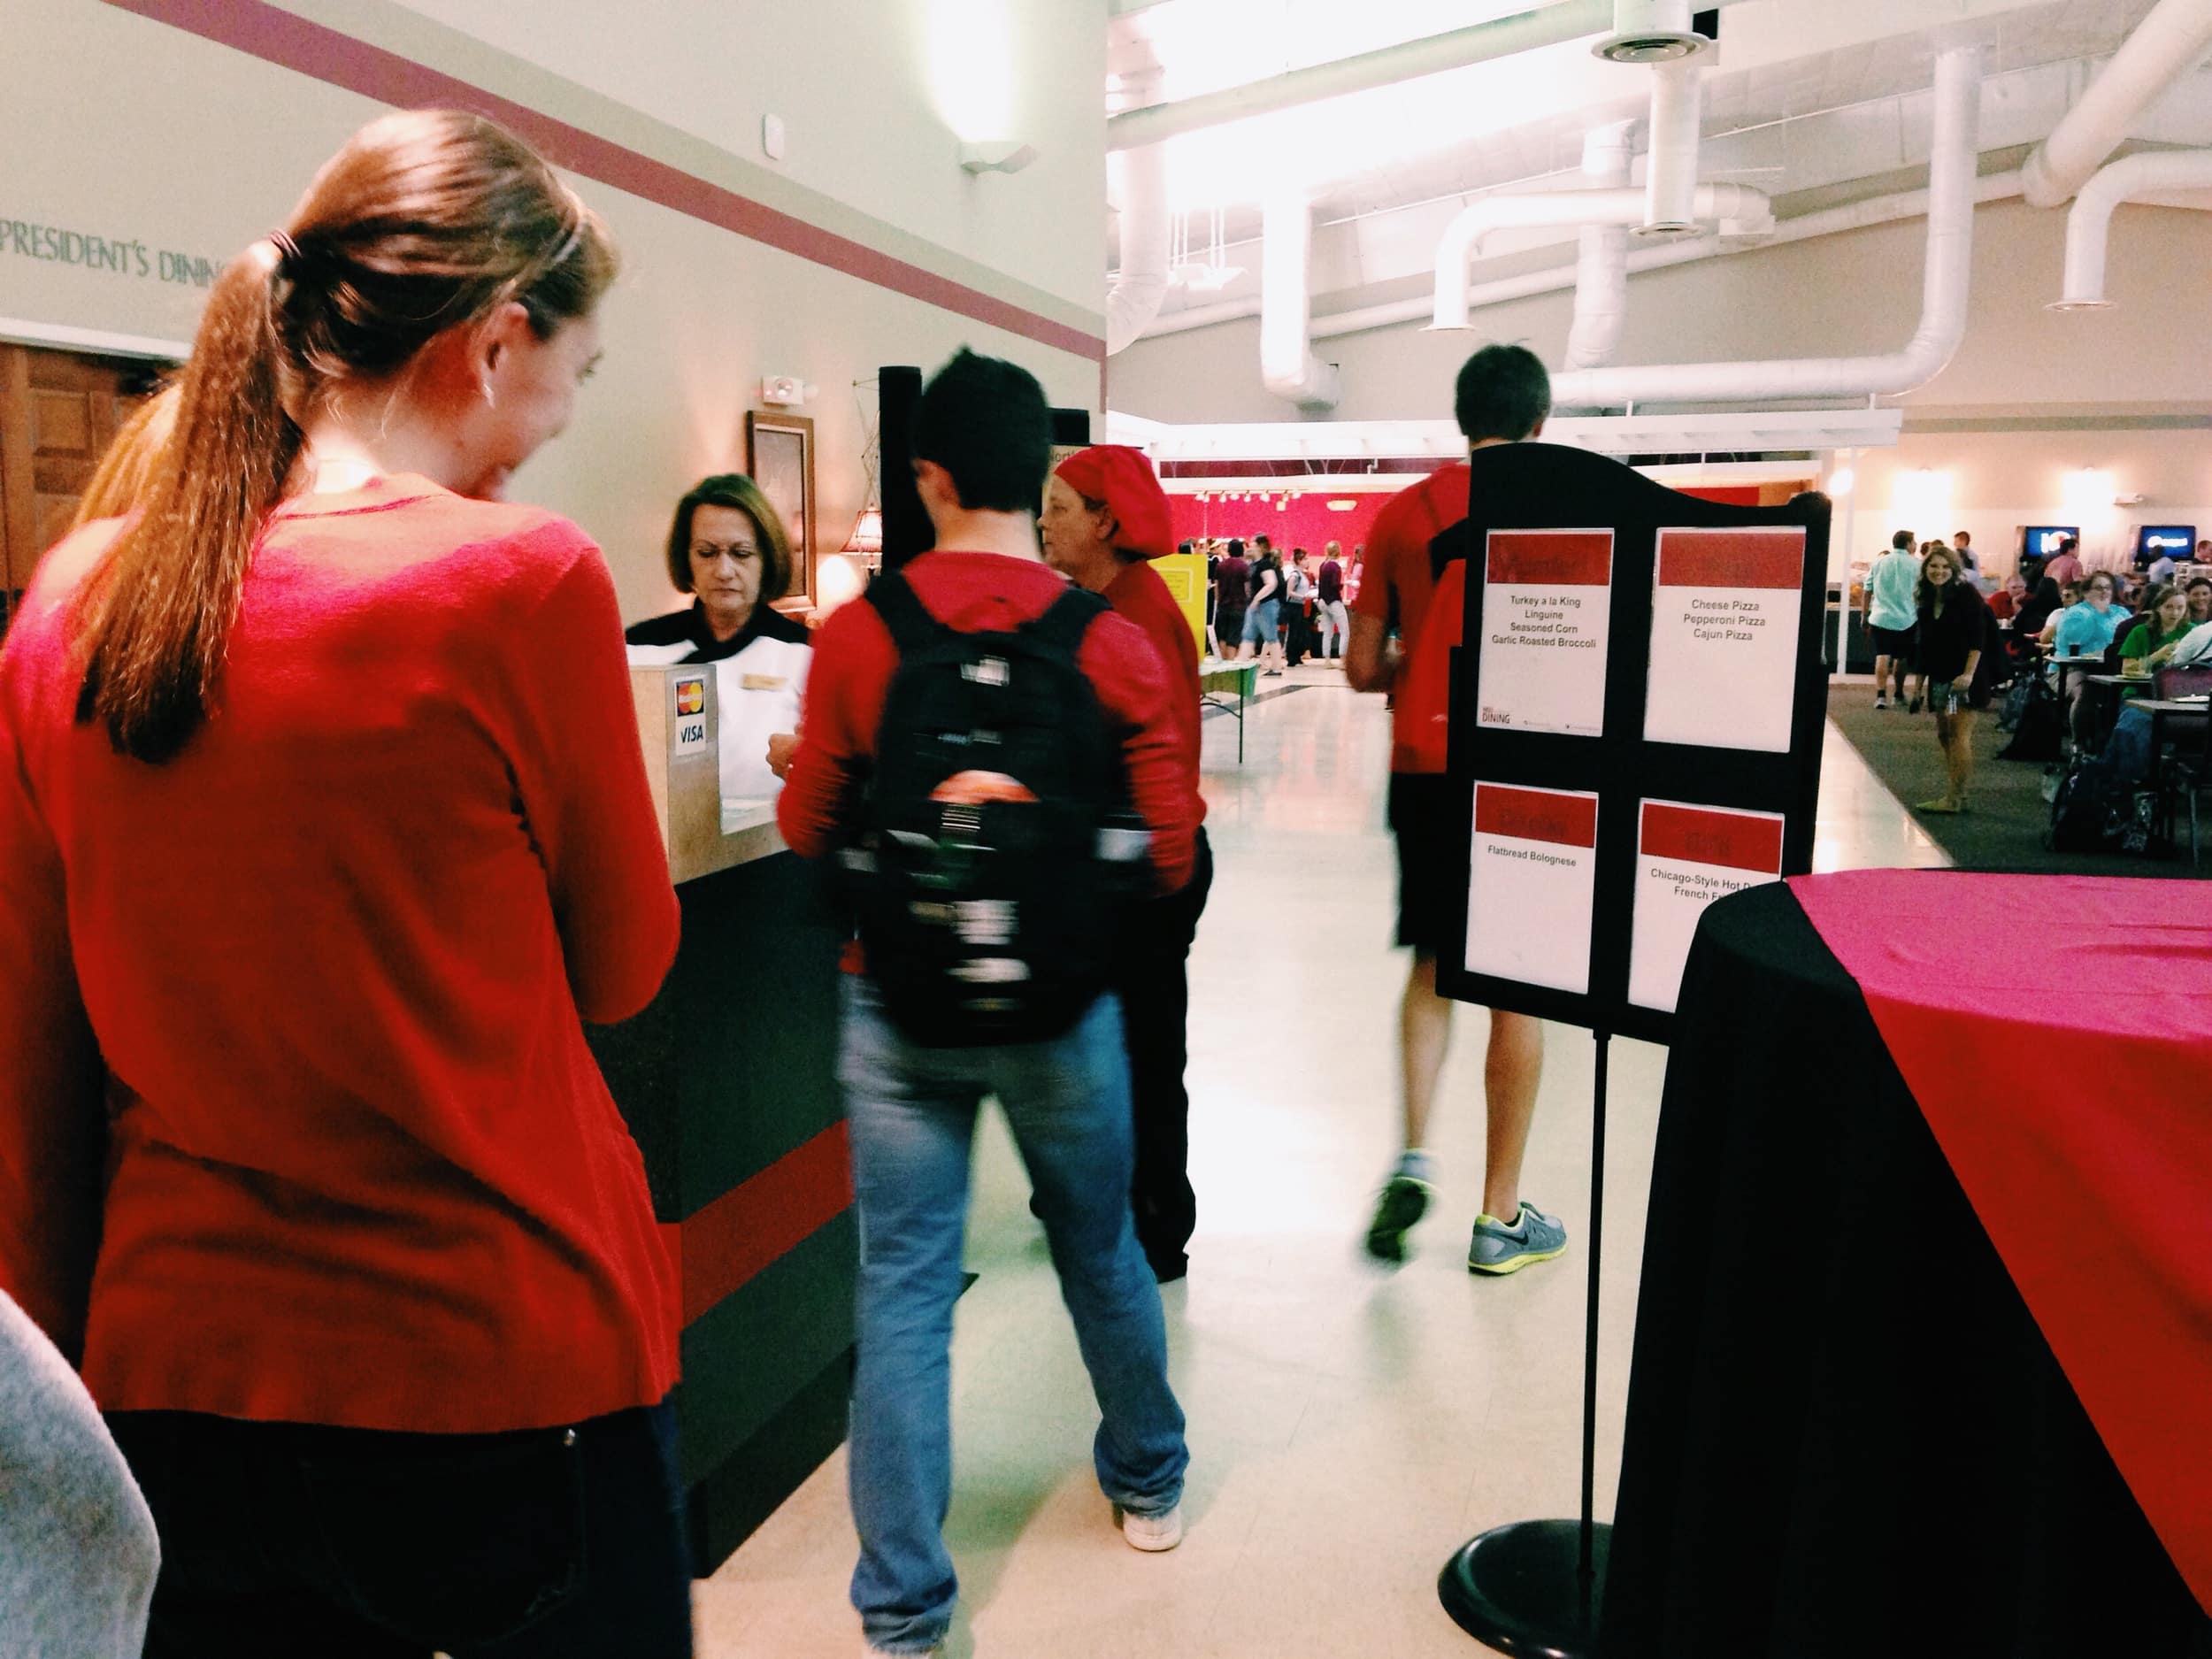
x: 2005, y: 829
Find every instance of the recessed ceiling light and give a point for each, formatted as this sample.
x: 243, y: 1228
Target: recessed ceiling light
x: 1655, y: 47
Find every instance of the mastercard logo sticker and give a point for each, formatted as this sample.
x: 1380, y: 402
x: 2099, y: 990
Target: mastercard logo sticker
x: 691, y: 696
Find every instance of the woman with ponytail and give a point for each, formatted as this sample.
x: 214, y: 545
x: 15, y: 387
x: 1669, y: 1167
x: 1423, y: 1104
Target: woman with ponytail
x: 323, y: 827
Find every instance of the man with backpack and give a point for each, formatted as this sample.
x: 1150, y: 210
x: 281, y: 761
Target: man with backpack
x: 1106, y: 519
x: 1502, y: 396
x: 984, y: 747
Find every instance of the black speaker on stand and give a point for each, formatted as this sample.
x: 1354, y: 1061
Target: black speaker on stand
x: 907, y: 532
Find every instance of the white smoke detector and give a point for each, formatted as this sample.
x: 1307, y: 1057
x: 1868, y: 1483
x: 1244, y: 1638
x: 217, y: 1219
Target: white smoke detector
x: 1650, y: 31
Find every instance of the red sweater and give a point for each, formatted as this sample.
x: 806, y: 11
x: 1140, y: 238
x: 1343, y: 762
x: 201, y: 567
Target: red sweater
x: 362, y: 1168
x: 855, y: 658
x: 1400, y: 581
x: 1139, y: 594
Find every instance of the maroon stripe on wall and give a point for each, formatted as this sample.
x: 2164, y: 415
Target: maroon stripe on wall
x: 722, y: 1248
x: 276, y: 36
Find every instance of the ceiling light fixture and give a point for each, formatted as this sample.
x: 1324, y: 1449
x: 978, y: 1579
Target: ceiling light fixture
x: 1650, y: 31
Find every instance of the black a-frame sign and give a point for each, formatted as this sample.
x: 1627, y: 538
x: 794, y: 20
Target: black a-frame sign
x: 1636, y: 714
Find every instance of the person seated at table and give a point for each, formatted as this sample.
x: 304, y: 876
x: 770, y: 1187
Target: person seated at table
x: 2085, y: 628
x: 2200, y: 591
x: 2069, y: 596
x: 2044, y: 601
x: 2005, y: 603
x: 2192, y: 649
x: 2149, y: 643
x: 729, y: 548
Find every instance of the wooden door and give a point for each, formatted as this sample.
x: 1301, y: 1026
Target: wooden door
x: 57, y: 412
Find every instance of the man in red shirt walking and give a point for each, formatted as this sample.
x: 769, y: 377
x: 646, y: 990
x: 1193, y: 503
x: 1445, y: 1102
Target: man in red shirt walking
x: 1106, y: 519
x: 982, y: 444
x: 1503, y: 397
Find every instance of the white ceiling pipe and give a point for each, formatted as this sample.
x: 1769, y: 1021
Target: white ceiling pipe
x: 1678, y: 116
x: 1463, y: 237
x: 1874, y: 210
x: 1142, y: 283
x: 2166, y: 45
x: 1951, y: 194
x: 2088, y: 226
x: 1478, y: 42
x: 1288, y: 365
x: 1601, y: 264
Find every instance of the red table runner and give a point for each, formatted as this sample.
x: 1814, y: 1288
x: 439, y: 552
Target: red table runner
x: 2056, y: 1031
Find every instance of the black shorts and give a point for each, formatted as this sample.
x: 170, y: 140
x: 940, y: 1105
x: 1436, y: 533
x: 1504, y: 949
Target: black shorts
x: 1894, y: 641
x: 1430, y: 864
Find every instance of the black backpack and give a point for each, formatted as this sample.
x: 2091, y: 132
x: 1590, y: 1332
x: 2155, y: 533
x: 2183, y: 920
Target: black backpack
x: 2039, y: 726
x: 992, y: 922
x: 2090, y: 812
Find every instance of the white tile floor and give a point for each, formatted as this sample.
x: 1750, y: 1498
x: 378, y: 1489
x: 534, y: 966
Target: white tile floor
x: 1349, y: 1428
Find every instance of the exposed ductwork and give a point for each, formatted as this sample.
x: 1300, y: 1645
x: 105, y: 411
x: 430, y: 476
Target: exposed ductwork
x: 1142, y: 283
x: 1861, y: 215
x: 1478, y: 42
x: 1602, y: 265
x: 1678, y: 116
x: 1287, y: 364
x: 1951, y: 194
x: 1738, y: 205
x: 2166, y: 45
x: 2088, y: 224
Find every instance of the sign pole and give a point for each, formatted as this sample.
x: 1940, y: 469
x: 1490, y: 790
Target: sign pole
x: 1538, y: 1587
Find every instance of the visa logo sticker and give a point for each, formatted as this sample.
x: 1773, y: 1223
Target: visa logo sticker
x: 690, y: 732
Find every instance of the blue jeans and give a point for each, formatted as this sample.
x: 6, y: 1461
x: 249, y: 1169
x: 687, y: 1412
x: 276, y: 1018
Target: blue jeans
x: 912, y: 1112
x: 1260, y: 622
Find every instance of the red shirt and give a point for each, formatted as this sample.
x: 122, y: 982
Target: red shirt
x: 1400, y: 577
x: 1139, y: 594
x: 362, y: 1168
x: 976, y: 593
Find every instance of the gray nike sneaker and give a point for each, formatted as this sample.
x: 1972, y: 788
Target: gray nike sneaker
x: 1498, y: 1248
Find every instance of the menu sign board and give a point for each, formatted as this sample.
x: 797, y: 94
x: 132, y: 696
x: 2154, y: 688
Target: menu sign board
x: 1532, y: 885
x: 1545, y: 628
x: 1686, y: 857
x: 1724, y: 637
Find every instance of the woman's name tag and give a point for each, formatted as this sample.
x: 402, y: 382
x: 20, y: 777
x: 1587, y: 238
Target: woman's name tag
x: 764, y: 682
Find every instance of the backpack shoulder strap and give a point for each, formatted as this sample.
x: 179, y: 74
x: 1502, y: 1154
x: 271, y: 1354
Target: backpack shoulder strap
x: 1066, y: 620
x: 912, y: 627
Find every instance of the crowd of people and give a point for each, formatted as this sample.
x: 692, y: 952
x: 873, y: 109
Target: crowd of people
x: 312, y: 1183
x: 1281, y: 613
x: 1948, y: 638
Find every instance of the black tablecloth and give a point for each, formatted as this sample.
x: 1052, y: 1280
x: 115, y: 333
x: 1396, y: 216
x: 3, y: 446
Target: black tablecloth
x: 1846, y: 1435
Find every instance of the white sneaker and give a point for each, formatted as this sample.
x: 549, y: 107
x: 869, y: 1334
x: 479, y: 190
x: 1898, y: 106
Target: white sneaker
x: 1153, y: 1534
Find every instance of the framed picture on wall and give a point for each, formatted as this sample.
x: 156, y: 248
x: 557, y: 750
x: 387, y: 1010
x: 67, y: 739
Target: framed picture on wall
x: 779, y: 456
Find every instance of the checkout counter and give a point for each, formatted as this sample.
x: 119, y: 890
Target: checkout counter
x: 728, y: 1080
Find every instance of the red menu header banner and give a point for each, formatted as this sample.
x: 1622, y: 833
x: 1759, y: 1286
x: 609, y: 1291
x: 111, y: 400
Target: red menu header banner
x: 1732, y: 558
x: 1536, y: 815
x: 1534, y: 558
x: 1741, y: 841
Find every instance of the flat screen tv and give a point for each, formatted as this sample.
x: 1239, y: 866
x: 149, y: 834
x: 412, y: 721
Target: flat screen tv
x: 2041, y: 541
x: 2170, y: 541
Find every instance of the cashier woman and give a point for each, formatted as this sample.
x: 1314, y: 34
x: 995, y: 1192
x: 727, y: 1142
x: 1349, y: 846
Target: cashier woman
x: 727, y: 549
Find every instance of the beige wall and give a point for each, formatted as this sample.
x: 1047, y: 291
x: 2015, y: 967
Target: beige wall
x: 133, y: 129
x: 875, y: 96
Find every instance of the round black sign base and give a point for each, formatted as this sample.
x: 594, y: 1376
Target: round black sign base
x: 1520, y: 1589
